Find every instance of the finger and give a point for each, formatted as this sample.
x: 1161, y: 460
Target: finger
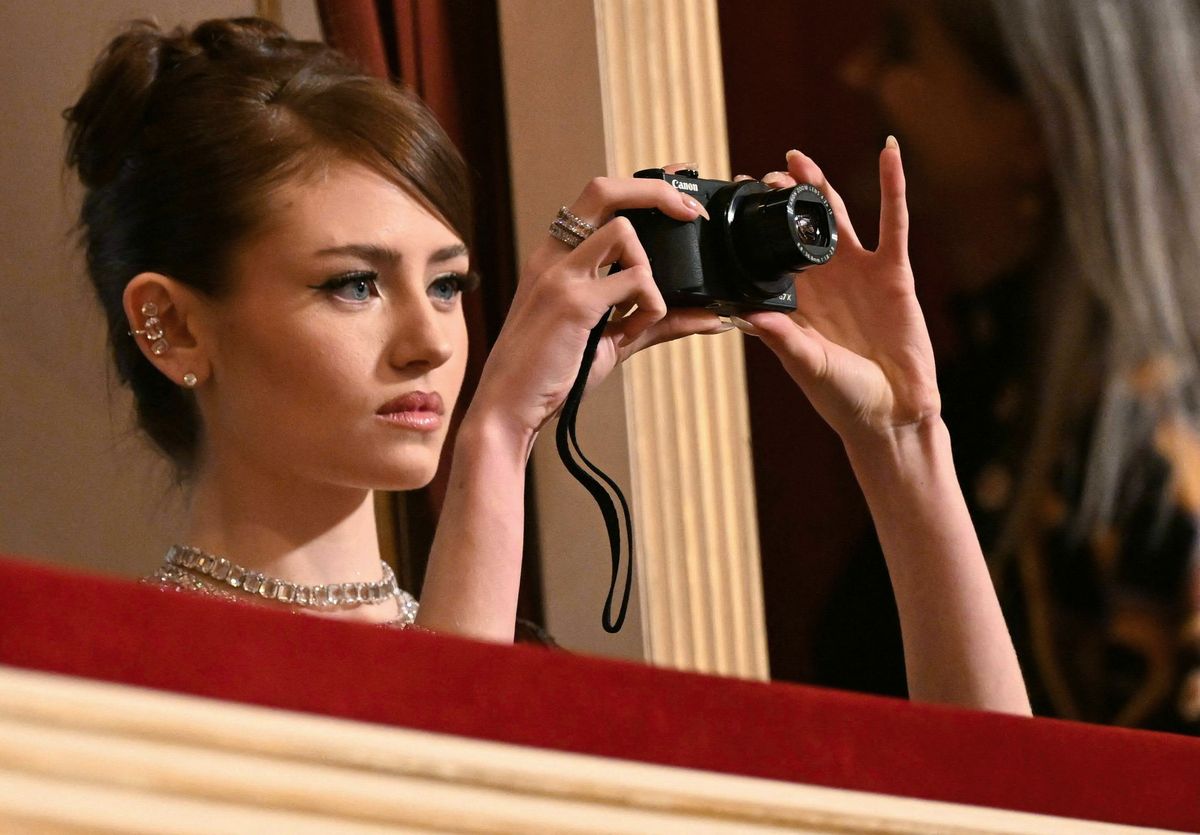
x: 800, y: 352
x: 613, y: 243
x: 623, y: 310
x: 635, y: 285
x: 678, y: 323
x: 742, y: 177
x: 605, y: 195
x: 676, y: 167
x: 804, y: 170
x: 566, y: 279
x: 580, y: 288
x: 778, y: 179
x: 893, y: 207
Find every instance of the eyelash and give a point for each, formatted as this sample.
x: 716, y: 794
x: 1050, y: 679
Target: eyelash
x: 462, y: 282
x: 338, y: 282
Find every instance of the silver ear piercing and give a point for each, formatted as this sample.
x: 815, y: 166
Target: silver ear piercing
x: 189, y: 380
x: 152, y: 329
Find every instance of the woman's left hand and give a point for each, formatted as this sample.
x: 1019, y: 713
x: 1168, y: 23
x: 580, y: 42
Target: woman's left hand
x: 857, y: 343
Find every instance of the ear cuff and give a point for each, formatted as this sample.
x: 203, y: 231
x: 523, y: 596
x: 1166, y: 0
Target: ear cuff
x: 152, y: 330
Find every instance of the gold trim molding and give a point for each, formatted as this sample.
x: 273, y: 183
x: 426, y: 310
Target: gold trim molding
x: 79, y: 756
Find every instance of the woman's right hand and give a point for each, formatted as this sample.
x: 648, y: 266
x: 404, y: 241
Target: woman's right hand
x: 857, y: 343
x: 474, y: 572
x: 562, y: 294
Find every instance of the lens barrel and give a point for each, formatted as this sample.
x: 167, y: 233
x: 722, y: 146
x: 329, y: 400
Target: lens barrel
x: 783, y: 230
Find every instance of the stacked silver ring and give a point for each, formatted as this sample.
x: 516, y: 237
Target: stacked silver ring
x: 570, y: 228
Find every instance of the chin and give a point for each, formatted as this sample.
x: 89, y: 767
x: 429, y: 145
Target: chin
x: 396, y: 467
x: 408, y: 476
x: 403, y: 485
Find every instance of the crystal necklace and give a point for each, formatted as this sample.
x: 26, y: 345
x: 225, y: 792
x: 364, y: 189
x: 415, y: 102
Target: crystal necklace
x: 255, y: 583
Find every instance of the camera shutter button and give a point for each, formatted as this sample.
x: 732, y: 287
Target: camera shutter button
x: 688, y: 172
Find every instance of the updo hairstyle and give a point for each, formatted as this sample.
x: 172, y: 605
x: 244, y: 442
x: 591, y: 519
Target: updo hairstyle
x: 181, y: 138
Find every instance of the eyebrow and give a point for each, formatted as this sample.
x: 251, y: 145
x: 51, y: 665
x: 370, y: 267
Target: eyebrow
x: 376, y: 254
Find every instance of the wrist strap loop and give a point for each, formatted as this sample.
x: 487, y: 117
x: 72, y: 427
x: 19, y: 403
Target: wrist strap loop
x: 595, y: 482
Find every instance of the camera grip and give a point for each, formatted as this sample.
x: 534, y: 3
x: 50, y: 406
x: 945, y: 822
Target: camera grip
x: 673, y: 249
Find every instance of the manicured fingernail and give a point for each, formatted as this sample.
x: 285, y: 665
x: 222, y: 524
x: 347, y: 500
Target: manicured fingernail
x: 788, y: 156
x: 773, y: 175
x: 723, y: 328
x: 694, y: 204
x: 891, y: 143
x: 744, y: 326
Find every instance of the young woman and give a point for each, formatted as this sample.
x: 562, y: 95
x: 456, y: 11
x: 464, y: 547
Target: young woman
x: 280, y: 243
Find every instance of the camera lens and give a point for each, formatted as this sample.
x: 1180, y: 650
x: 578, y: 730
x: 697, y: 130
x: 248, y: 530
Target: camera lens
x: 808, y: 228
x: 776, y: 232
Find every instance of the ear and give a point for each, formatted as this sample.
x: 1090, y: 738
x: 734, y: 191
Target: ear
x: 163, y: 313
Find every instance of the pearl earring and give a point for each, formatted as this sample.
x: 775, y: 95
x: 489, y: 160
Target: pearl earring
x: 189, y: 380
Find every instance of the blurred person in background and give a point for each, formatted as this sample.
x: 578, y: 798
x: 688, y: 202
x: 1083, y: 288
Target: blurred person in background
x: 1052, y: 149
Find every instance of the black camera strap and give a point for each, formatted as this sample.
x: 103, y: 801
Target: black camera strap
x: 594, y: 480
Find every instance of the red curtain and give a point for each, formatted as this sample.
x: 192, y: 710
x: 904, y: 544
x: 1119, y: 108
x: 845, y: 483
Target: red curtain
x: 448, y: 52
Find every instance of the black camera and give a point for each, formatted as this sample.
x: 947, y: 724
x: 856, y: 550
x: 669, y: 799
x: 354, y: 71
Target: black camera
x: 744, y: 257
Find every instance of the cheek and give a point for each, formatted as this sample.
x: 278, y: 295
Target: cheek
x: 269, y: 378
x: 456, y: 367
x: 274, y: 357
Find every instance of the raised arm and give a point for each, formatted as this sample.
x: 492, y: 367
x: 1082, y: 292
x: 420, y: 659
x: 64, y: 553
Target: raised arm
x: 474, y: 569
x: 858, y: 347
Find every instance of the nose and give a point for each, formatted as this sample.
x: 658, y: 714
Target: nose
x: 420, y: 336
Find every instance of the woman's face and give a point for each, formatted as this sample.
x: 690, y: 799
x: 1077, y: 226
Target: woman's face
x: 974, y: 151
x: 339, y: 352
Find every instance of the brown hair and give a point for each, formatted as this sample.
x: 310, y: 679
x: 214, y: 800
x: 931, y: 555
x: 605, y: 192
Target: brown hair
x: 180, y: 139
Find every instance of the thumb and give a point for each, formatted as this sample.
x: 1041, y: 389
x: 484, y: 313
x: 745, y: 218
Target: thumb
x: 798, y: 348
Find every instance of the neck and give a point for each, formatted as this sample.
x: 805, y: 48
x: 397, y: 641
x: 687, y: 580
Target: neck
x: 285, y: 527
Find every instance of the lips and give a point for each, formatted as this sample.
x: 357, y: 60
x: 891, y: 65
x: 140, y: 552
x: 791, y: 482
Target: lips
x: 417, y: 410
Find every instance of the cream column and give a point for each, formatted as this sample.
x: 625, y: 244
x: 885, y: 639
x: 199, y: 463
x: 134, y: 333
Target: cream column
x: 608, y: 87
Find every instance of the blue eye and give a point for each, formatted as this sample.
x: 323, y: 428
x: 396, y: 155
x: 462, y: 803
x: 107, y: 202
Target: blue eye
x: 447, y: 288
x: 352, y: 287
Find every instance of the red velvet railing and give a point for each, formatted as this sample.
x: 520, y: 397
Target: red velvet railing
x: 119, y: 631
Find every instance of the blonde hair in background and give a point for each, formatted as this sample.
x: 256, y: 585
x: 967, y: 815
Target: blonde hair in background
x: 1116, y: 88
